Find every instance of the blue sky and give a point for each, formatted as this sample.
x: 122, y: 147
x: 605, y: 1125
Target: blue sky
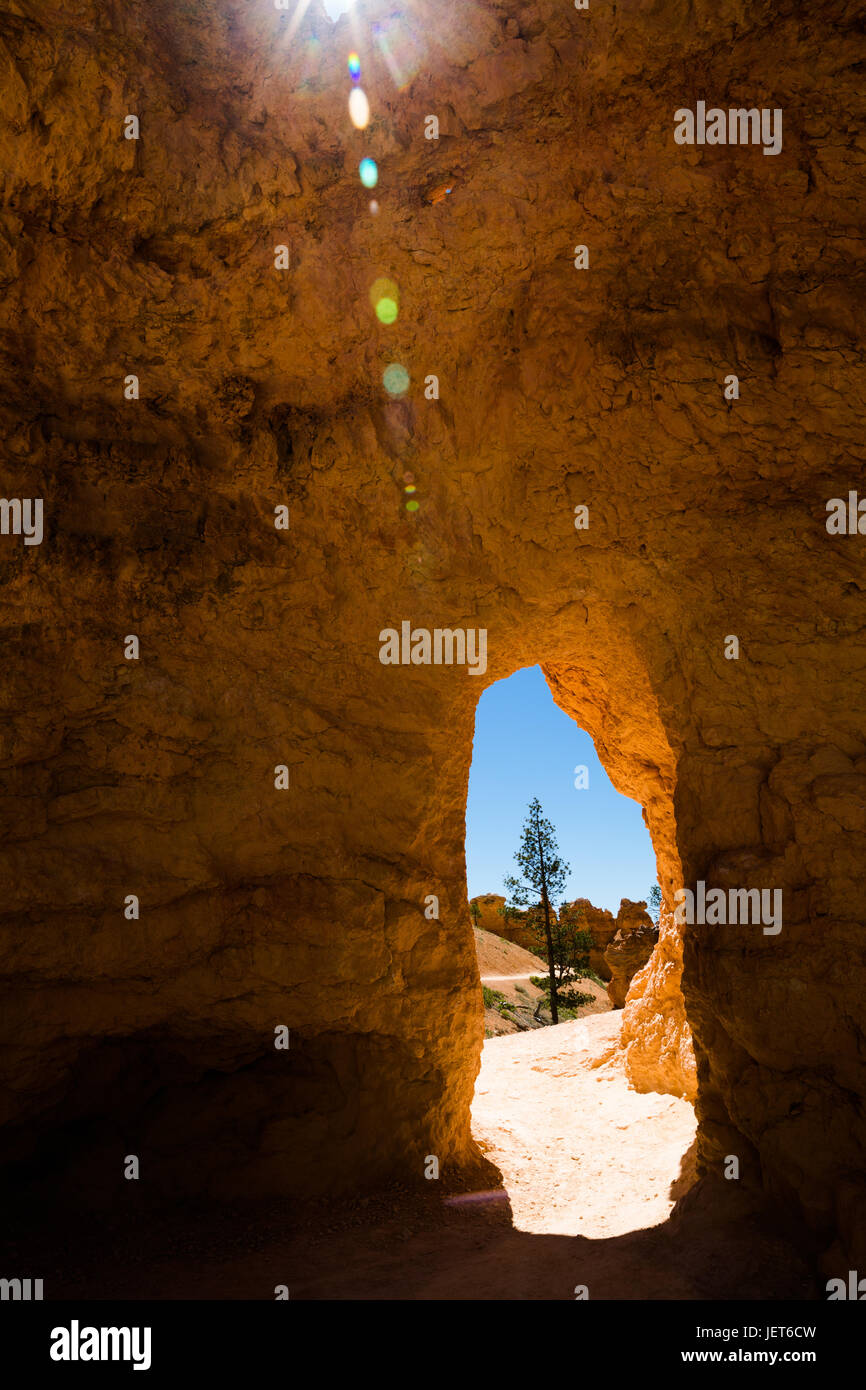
x: 524, y: 747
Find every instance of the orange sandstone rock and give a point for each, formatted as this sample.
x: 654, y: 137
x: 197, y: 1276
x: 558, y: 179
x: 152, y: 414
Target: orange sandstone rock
x: 630, y: 948
x: 655, y: 1035
x: 602, y: 926
x: 310, y: 903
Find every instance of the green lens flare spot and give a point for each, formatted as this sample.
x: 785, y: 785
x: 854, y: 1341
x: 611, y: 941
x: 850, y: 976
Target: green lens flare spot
x: 395, y: 379
x: 384, y: 289
x: 386, y: 310
x: 412, y: 506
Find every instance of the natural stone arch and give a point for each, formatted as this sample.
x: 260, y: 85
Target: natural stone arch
x: 559, y: 388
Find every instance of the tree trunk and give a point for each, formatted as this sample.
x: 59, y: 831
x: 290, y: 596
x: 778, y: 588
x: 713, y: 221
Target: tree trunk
x: 554, y: 1011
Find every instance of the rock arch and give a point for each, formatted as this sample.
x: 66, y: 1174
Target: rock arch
x: 558, y: 388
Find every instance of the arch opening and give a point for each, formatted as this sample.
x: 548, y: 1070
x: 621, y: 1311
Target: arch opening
x: 554, y: 1107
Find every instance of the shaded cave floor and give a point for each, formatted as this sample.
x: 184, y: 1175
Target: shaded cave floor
x: 592, y: 1169
x: 405, y: 1244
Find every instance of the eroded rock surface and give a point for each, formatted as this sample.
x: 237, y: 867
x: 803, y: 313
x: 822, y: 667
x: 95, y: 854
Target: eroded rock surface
x: 629, y: 950
x: 558, y: 388
x: 602, y: 926
x: 655, y: 1036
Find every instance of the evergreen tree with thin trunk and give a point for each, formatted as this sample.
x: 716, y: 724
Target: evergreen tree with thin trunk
x: 542, y: 883
x: 654, y: 902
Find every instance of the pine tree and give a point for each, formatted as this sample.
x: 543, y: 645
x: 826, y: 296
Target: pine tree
x: 655, y: 902
x: 544, y: 873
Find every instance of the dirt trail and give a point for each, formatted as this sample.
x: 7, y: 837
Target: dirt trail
x: 580, y: 1153
x: 503, y: 979
x: 508, y: 968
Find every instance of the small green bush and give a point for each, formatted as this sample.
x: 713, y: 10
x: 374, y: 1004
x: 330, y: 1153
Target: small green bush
x: 568, y: 998
x: 574, y: 999
x: 492, y: 997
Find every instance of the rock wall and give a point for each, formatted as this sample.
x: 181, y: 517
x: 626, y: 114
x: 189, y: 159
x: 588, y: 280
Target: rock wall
x: 655, y: 1037
x: 600, y: 922
x: 309, y: 900
x: 629, y: 950
x: 514, y: 929
x: 602, y: 925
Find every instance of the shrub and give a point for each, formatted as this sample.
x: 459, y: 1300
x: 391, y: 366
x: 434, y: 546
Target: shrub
x: 569, y: 997
x: 575, y: 999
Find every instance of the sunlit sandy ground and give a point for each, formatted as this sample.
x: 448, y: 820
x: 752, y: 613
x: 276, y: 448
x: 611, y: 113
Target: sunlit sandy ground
x: 580, y: 1152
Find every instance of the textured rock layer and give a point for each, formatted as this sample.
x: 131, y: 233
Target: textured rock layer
x: 601, y: 925
x: 514, y: 928
x: 655, y: 1036
x: 629, y: 950
x: 558, y: 388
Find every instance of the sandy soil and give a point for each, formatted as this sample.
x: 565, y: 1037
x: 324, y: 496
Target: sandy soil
x: 496, y: 956
x: 579, y: 1151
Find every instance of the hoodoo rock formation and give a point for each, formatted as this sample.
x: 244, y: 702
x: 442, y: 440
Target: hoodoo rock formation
x: 602, y: 926
x: 655, y: 1037
x: 254, y: 823
x: 630, y: 949
x: 632, y: 920
x: 513, y: 928
x: 489, y: 916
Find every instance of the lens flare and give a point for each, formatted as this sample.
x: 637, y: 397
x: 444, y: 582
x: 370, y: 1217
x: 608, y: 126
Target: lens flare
x: 359, y: 109
x: 369, y: 171
x: 385, y: 299
x: 471, y: 1198
x: 395, y: 379
x: 355, y: 67
x: 409, y: 480
x: 401, y: 46
x: 374, y: 207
